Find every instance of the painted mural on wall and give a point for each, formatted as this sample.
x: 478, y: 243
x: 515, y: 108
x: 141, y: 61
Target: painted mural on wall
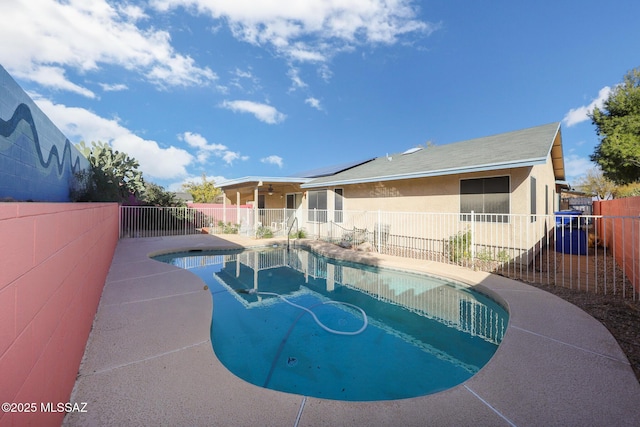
x: 37, y: 162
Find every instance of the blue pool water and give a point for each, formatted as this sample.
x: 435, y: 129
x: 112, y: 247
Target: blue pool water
x: 421, y: 334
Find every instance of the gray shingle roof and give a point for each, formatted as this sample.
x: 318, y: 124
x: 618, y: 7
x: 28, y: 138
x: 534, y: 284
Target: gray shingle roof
x: 526, y: 147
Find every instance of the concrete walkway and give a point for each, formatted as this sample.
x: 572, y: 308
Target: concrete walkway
x: 149, y: 359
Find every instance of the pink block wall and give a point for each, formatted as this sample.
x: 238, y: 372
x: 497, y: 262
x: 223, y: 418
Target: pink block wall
x: 621, y: 233
x: 54, y: 259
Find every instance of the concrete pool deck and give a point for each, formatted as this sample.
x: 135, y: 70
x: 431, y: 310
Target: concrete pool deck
x: 149, y: 359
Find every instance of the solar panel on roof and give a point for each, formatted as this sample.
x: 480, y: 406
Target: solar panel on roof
x: 329, y: 170
x: 412, y: 150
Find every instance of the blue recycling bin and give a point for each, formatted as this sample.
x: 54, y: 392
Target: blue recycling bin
x: 566, y: 217
x: 571, y: 238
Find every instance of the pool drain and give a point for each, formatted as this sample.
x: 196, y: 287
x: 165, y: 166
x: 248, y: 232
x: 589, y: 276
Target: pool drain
x: 291, y: 362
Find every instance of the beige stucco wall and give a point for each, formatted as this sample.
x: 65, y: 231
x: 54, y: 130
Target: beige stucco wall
x: 442, y: 194
x: 545, y: 177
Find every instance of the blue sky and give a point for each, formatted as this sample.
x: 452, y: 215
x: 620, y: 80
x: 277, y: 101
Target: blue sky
x: 233, y: 88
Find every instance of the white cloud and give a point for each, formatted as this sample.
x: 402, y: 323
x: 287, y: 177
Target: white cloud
x: 296, y: 80
x: 576, y: 166
x: 310, y: 30
x: 325, y: 73
x: 315, y: 103
x: 205, y: 149
x: 243, y: 74
x: 581, y: 114
x: 272, y: 160
x: 53, y: 77
x: 134, y: 13
x: 41, y: 39
x: 303, y: 54
x: 113, y: 87
x: 230, y: 156
x: 79, y: 124
x: 198, y: 141
x: 263, y: 112
x: 240, y: 77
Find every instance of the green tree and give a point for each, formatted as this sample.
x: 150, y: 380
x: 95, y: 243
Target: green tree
x: 618, y: 126
x: 113, y: 177
x: 202, y: 192
x: 595, y: 183
x: 629, y: 190
x: 156, y: 195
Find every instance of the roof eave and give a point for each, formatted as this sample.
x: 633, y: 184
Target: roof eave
x: 557, y: 155
x: 247, y: 180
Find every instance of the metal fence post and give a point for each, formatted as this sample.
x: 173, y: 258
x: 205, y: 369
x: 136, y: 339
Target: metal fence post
x: 473, y: 238
x: 315, y: 222
x: 378, y: 231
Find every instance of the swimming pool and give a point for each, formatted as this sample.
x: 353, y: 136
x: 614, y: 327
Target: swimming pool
x: 391, y: 335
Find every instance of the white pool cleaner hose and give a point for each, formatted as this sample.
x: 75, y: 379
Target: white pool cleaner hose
x: 365, y: 320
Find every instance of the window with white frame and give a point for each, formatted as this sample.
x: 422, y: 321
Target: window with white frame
x: 293, y: 200
x: 488, y: 197
x: 338, y: 205
x: 317, y: 205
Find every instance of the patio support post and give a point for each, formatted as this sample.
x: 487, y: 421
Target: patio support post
x: 224, y: 207
x: 255, y: 211
x: 238, y: 209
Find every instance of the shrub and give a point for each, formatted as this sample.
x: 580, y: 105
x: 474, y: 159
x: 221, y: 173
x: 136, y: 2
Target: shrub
x: 503, y: 256
x: 489, y: 255
x: 264, y: 233
x: 300, y: 234
x: 485, y: 255
x: 227, y: 228
x: 460, y: 246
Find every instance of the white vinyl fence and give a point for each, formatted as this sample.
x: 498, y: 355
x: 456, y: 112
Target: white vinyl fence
x: 592, y: 253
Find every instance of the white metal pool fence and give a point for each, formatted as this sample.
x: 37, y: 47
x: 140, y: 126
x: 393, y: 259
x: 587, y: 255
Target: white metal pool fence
x: 448, y: 306
x: 599, y: 254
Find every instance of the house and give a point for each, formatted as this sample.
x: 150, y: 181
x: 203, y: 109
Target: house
x: 507, y: 181
x: 519, y: 172
x: 184, y: 196
x: 269, y: 193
